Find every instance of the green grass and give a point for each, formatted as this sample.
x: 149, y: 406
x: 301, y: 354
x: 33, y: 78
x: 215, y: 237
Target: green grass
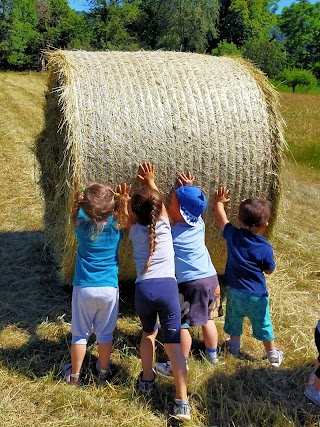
x: 301, y: 114
x: 35, y: 308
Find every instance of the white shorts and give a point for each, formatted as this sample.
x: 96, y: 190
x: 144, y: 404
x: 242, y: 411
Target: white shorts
x: 97, y: 306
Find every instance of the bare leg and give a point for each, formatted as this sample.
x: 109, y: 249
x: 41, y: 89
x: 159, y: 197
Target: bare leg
x: 179, y: 369
x: 147, y: 349
x: 78, y: 351
x: 269, y: 345
x: 316, y: 382
x: 210, y: 334
x: 104, y: 350
x: 186, y: 342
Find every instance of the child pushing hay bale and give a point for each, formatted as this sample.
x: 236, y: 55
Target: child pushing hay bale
x: 109, y: 111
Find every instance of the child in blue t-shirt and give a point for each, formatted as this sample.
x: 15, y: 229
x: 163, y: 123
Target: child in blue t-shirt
x: 98, y: 214
x: 250, y: 255
x: 199, y: 289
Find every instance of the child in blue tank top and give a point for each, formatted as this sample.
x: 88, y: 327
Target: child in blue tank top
x: 98, y: 214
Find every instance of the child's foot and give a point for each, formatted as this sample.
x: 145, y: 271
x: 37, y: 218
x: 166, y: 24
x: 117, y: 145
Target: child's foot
x: 145, y: 386
x: 212, y: 357
x: 233, y: 349
x: 276, y: 359
x: 164, y: 369
x: 103, y: 375
x: 312, y: 394
x: 181, y: 410
x: 68, y: 377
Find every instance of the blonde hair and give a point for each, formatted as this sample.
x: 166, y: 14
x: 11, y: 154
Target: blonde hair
x: 99, y: 202
x: 146, y: 204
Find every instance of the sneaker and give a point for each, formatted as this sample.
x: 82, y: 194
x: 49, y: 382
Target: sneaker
x: 234, y: 352
x: 312, y: 394
x: 103, y: 377
x: 164, y: 369
x: 181, y: 411
x: 276, y: 360
x: 212, y: 357
x: 145, y: 386
x: 66, y: 372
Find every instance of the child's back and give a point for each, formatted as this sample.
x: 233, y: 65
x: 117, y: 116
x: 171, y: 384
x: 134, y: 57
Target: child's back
x: 95, y: 295
x: 97, y: 256
x: 250, y: 255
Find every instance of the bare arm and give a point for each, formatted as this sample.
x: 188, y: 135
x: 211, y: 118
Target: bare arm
x: 124, y: 191
x: 221, y: 198
x: 146, y: 175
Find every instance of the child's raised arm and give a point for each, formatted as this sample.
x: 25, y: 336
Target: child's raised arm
x: 221, y: 198
x: 146, y: 175
x: 124, y: 191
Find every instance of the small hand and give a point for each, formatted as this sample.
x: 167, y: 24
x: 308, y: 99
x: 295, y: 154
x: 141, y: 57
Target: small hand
x: 222, y: 195
x: 185, y: 178
x: 124, y: 190
x: 146, y: 173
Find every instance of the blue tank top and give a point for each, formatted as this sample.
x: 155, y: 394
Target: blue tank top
x: 97, y: 262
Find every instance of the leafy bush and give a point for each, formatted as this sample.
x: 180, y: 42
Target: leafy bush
x: 225, y: 48
x: 293, y: 77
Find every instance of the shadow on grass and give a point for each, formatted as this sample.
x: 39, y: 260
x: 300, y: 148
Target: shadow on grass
x: 35, y: 309
x: 260, y: 396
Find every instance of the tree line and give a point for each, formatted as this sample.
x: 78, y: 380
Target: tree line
x: 251, y: 28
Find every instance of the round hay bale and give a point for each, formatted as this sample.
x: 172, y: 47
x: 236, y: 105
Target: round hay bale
x: 107, y: 112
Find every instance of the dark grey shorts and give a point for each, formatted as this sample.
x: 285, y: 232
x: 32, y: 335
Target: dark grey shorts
x: 199, y: 301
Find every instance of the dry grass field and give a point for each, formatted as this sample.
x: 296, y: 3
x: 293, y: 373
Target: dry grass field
x: 35, y: 307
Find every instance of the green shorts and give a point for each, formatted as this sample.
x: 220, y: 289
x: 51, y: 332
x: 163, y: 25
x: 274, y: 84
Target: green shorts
x: 256, y: 308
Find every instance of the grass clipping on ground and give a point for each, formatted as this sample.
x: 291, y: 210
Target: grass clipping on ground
x: 109, y: 111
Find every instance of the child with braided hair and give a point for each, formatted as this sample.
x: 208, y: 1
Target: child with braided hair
x: 98, y: 214
x: 156, y: 292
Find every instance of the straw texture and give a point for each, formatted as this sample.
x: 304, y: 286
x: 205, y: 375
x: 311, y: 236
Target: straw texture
x: 109, y: 111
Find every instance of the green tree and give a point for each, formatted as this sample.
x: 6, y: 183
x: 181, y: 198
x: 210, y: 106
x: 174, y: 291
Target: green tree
x: 268, y: 55
x: 294, y: 77
x: 300, y: 24
x: 179, y: 24
x: 61, y: 27
x: 20, y: 43
x: 225, y: 48
x: 114, y: 24
x: 241, y: 20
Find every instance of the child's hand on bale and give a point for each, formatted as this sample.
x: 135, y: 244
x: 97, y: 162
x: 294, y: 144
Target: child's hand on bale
x: 146, y: 175
x: 185, y: 179
x: 124, y: 190
x: 222, y: 195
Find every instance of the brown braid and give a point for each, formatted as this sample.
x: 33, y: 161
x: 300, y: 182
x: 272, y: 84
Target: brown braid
x: 146, y: 204
x: 152, y: 234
